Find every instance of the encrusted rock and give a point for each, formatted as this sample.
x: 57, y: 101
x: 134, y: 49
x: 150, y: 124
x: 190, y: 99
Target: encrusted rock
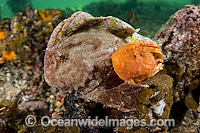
x: 180, y: 42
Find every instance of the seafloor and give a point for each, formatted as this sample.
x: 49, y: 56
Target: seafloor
x: 23, y: 91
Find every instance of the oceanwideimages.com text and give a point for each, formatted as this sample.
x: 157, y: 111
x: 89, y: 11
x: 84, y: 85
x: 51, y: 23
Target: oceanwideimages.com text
x: 46, y: 121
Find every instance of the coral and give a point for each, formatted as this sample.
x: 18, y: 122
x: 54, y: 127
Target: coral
x: 137, y: 60
x: 179, y: 39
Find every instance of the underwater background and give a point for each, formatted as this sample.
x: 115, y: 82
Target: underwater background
x: 25, y: 30
x: 77, y: 4
x: 147, y: 15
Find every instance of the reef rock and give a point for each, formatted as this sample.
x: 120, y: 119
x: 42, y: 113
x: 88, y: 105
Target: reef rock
x: 179, y: 39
